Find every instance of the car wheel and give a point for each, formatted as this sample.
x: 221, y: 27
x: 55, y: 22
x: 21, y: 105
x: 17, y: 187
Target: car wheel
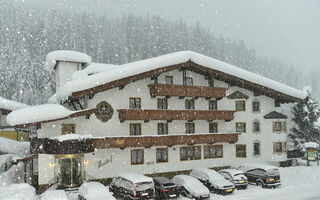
x: 260, y: 183
x: 212, y: 190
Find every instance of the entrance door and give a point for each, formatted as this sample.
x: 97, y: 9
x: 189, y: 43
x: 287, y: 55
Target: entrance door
x: 70, y: 170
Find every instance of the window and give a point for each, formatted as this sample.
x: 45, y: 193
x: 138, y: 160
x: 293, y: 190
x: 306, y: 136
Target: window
x: 240, y: 105
x: 213, y: 151
x: 255, y: 106
x: 135, y: 129
x: 162, y: 128
x: 189, y: 128
x: 162, y: 155
x: 189, y: 81
x: 240, y: 127
x: 169, y: 80
x: 241, y: 151
x: 279, y: 147
x: 279, y: 126
x: 256, y: 126
x: 189, y: 104
x: 213, y: 105
x: 134, y: 103
x: 162, y: 104
x: 213, y: 127
x: 211, y: 83
x: 256, y: 148
x: 137, y: 157
x: 68, y: 129
x: 190, y: 153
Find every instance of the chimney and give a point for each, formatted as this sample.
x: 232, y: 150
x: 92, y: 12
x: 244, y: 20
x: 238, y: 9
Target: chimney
x: 64, y: 63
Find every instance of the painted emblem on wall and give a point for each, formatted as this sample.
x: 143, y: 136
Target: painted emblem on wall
x: 105, y: 111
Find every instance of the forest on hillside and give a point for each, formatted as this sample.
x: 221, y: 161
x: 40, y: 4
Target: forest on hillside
x: 28, y: 35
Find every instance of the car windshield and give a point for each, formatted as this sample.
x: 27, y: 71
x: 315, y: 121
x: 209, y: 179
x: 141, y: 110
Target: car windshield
x: 143, y: 186
x: 273, y: 172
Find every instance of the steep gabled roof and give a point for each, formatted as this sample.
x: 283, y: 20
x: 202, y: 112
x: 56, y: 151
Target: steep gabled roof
x: 10, y: 105
x: 237, y: 95
x: 275, y: 115
x: 131, y: 72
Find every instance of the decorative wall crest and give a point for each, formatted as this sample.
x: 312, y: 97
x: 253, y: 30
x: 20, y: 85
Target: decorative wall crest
x: 105, y: 111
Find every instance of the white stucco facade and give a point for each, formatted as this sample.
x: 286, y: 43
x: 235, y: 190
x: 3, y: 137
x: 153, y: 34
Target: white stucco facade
x: 120, y: 160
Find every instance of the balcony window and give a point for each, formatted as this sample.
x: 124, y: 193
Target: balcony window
x: 162, y: 104
x: 135, y: 129
x: 134, y: 103
x: 213, y: 127
x: 137, y: 157
x: 240, y: 105
x: 189, y: 104
x: 241, y: 151
x: 162, y: 155
x: 162, y: 128
x: 189, y: 128
x: 213, y: 151
x: 68, y: 129
x: 189, y: 81
x: 190, y: 153
x: 241, y: 127
x: 169, y: 80
x: 213, y: 105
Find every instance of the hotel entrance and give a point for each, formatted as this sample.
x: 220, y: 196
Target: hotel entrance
x: 69, y: 170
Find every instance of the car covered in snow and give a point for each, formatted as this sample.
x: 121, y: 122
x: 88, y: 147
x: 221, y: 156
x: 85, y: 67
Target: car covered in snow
x: 165, y: 188
x: 54, y: 195
x: 21, y: 191
x: 261, y: 175
x: 133, y: 186
x: 191, y: 187
x: 235, y: 176
x: 215, y: 182
x: 94, y: 191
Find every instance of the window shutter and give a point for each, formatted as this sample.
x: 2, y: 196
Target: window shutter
x: 273, y: 126
x: 284, y: 126
x: 274, y: 147
x: 284, y: 147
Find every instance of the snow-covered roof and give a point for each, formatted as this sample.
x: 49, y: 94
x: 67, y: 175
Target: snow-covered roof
x: 37, y: 113
x: 311, y: 145
x: 136, y: 178
x: 11, y: 105
x: 21, y: 191
x: 95, y: 190
x: 138, y: 67
x: 65, y: 137
x: 12, y: 146
x: 65, y: 55
x: 93, y: 68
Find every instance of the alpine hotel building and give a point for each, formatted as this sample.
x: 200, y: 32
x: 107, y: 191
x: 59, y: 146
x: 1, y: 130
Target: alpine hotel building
x: 165, y: 114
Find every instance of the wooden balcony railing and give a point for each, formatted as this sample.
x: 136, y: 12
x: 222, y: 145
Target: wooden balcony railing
x: 169, y: 115
x: 186, y: 91
x: 164, y: 140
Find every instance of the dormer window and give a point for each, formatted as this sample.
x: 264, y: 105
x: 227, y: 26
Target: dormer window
x: 240, y: 105
x: 169, y: 80
x: 189, y: 81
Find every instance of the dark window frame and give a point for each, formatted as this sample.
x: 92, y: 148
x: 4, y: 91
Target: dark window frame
x: 135, y: 103
x: 189, y: 104
x: 238, y: 107
x: 134, y: 130
x: 163, y: 128
x: 212, y: 151
x: 243, y: 130
x: 162, y: 103
x: 210, y: 103
x: 190, y: 128
x: 169, y: 77
x: 190, y: 153
x: 238, y: 151
x: 164, y: 155
x: 216, y: 127
x: 135, y: 152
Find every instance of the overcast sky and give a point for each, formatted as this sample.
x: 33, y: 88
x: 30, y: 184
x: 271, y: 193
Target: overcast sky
x: 286, y: 29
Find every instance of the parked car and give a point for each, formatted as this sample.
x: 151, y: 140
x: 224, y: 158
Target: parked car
x: 54, y: 195
x: 191, y: 187
x: 235, y: 176
x: 215, y: 182
x: 165, y: 188
x: 94, y: 191
x: 262, y: 175
x: 133, y: 186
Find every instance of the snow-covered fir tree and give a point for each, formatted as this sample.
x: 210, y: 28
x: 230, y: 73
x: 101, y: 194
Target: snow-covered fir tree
x: 305, y: 117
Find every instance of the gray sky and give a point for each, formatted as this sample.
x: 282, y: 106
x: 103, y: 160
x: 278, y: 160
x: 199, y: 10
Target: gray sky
x: 286, y: 29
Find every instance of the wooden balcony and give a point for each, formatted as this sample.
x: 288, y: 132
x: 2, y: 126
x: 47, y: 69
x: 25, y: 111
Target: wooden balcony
x: 186, y: 91
x: 164, y: 140
x: 169, y: 115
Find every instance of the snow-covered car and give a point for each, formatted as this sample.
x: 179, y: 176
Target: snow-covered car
x: 235, y: 176
x: 94, y: 191
x: 20, y: 191
x: 133, y: 186
x: 54, y: 195
x: 191, y: 187
x: 261, y: 175
x: 165, y: 188
x: 215, y: 182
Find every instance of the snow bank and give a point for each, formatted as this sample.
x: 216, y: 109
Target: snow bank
x: 12, y: 175
x: 13, y: 147
x: 64, y: 55
x: 138, y: 67
x: 311, y: 145
x: 95, y: 190
x: 18, y: 192
x: 54, y: 195
x: 62, y: 138
x: 37, y: 113
x: 11, y: 105
x: 6, y: 158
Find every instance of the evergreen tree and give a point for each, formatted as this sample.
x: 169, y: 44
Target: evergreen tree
x: 305, y: 116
